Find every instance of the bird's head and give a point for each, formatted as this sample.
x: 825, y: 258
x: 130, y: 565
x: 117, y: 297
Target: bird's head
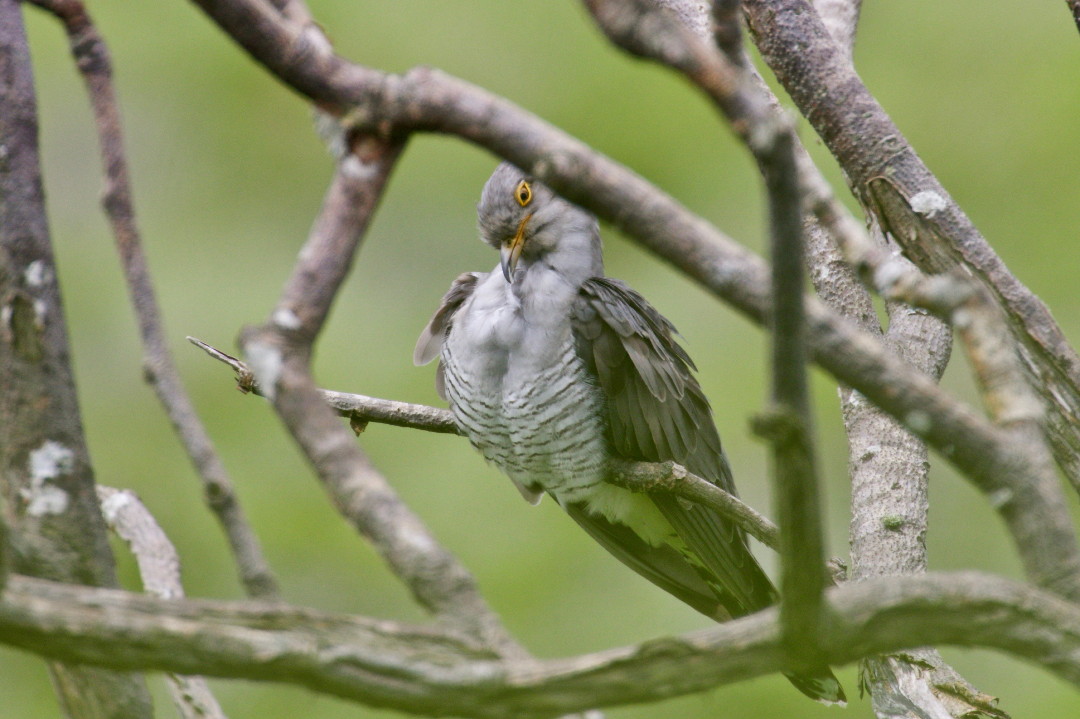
x: 528, y: 223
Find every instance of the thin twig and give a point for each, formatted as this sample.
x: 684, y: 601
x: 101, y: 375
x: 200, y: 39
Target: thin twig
x: 359, y: 409
x: 426, y: 671
x: 673, y: 478
x: 159, y: 569
x: 92, y: 58
x: 635, y: 476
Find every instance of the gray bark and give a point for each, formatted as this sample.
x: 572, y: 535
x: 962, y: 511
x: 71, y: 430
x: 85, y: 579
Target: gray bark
x: 54, y: 526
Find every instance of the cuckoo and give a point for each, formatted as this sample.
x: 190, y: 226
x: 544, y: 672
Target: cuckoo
x: 552, y: 370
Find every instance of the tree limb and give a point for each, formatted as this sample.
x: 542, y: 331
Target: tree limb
x: 932, y: 229
x: 52, y: 519
x: 357, y: 408
x: 798, y: 506
x: 673, y: 478
x: 278, y: 354
x: 431, y: 672
x: 889, y: 467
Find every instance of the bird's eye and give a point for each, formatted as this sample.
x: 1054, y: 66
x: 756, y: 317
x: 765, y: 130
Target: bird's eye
x: 523, y: 193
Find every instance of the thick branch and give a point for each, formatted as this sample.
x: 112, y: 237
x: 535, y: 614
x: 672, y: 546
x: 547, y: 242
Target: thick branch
x: 889, y: 468
x: 427, y: 672
x: 933, y: 231
x: 841, y: 19
x: 278, y: 354
x: 51, y: 514
x: 92, y: 59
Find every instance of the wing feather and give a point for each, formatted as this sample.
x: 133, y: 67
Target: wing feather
x: 661, y: 565
x: 657, y: 412
x: 429, y: 343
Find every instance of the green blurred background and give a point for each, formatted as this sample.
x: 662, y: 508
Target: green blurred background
x: 228, y: 176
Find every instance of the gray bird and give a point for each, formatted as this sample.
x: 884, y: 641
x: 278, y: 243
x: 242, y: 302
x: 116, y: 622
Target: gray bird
x: 552, y: 369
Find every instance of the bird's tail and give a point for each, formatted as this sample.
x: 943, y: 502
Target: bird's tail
x: 820, y: 685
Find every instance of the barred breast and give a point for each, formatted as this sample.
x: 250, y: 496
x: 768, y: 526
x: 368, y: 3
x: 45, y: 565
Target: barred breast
x: 540, y: 422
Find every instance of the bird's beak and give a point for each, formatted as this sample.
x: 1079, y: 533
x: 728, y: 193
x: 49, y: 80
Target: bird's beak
x: 511, y: 250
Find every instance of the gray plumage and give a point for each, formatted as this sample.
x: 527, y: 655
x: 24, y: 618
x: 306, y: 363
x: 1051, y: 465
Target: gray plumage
x: 551, y: 369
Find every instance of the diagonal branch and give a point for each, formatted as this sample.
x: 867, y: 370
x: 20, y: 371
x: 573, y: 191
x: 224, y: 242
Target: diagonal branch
x: 430, y: 672
x: 931, y: 228
x: 159, y: 569
x: 92, y: 59
x: 279, y: 355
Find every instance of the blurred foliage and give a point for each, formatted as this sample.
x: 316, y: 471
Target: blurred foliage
x: 228, y: 176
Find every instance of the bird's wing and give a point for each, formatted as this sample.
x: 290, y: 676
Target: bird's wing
x: 430, y: 342
x: 657, y: 412
x: 662, y: 566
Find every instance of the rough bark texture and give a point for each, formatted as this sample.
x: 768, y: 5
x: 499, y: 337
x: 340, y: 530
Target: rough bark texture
x: 425, y: 671
x: 888, y: 176
x: 56, y: 530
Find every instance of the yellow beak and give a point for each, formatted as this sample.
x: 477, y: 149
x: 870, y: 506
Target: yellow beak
x: 511, y: 251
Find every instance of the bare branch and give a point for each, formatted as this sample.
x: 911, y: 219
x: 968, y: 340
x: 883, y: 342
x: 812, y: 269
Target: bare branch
x: 278, y: 354
x: 159, y: 568
x: 931, y: 228
x: 430, y: 672
x: 5, y: 543
x: 359, y: 409
x: 1037, y: 514
x: 635, y: 476
x: 888, y: 467
x: 92, y: 59
x: 727, y: 30
x: 52, y: 519
x: 671, y: 477
x: 802, y: 551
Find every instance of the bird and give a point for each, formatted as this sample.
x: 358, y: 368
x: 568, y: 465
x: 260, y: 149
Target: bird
x: 553, y: 370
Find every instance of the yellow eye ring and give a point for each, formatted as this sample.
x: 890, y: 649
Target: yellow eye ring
x: 523, y: 193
